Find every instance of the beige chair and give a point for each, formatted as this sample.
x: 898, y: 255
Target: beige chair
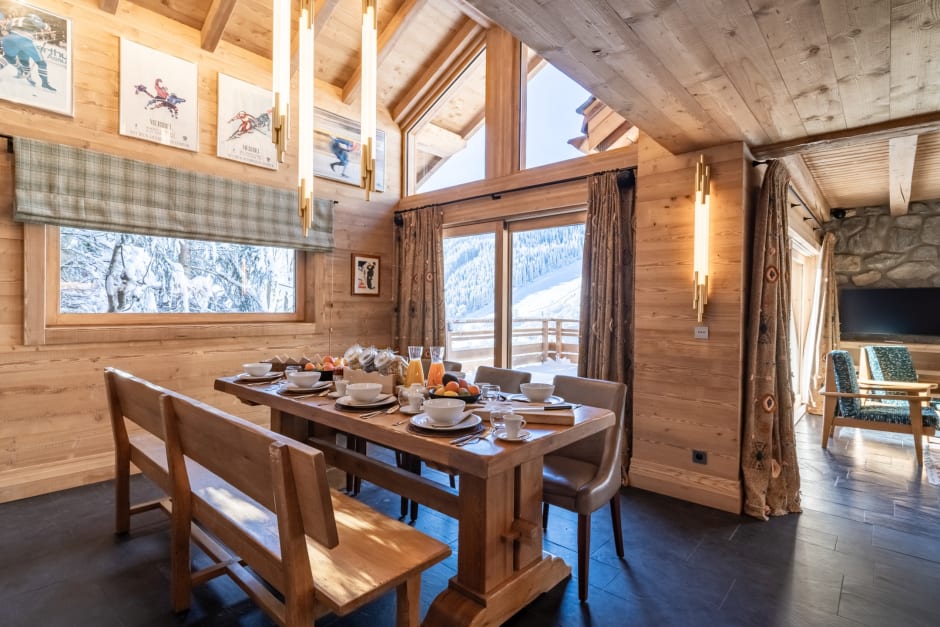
x: 507, y: 380
x: 581, y: 477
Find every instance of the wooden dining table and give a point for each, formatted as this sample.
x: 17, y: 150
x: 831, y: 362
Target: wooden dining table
x: 501, y: 565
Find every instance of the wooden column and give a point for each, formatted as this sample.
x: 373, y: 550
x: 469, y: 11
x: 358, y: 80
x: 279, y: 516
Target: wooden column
x: 503, y: 103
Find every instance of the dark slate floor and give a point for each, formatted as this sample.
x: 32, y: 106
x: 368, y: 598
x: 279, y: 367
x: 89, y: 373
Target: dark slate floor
x: 866, y: 551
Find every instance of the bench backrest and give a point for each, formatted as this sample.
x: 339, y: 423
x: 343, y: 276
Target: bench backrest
x: 135, y: 399
x: 285, y: 476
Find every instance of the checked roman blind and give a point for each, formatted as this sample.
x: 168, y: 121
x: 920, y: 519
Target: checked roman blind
x: 69, y: 186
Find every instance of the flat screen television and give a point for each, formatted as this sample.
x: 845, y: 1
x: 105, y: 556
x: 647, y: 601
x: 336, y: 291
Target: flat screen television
x: 890, y: 313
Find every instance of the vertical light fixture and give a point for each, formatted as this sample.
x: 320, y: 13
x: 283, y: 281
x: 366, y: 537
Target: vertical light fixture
x: 305, y: 101
x: 280, y: 80
x: 369, y: 52
x: 700, y: 259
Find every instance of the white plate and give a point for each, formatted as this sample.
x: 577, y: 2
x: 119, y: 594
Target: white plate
x: 349, y: 401
x: 410, y: 412
x: 523, y: 435
x: 290, y: 388
x: 335, y: 395
x: 424, y: 421
x: 259, y: 377
x: 522, y: 398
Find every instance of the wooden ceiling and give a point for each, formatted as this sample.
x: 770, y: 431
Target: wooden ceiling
x: 847, y: 91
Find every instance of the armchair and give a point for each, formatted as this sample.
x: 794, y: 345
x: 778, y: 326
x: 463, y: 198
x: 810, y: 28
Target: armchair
x: 905, y: 413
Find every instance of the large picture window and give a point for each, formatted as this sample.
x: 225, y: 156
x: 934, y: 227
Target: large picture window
x: 102, y: 272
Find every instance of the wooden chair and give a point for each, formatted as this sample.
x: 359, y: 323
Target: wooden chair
x: 581, y: 477
x: 271, y: 509
x: 507, y: 380
x: 883, y: 366
x: 844, y: 407
x: 138, y: 401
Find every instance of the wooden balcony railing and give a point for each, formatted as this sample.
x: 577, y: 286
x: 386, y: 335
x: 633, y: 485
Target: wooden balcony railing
x: 534, y: 341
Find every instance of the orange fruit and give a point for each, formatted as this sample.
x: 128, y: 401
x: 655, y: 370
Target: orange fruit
x: 452, y: 386
x: 463, y: 383
x: 473, y: 389
x: 308, y: 366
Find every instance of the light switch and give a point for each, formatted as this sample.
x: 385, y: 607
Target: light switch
x: 701, y: 333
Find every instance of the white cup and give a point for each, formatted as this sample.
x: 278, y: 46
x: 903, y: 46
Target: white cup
x: 341, y: 386
x: 415, y: 399
x: 513, y: 424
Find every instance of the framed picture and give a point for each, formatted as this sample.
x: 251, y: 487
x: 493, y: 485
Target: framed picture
x: 158, y: 97
x: 244, y: 124
x: 36, y: 64
x: 365, y: 275
x: 336, y: 151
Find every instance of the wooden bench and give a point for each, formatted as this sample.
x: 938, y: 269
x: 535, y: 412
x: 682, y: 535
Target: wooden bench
x: 267, y: 500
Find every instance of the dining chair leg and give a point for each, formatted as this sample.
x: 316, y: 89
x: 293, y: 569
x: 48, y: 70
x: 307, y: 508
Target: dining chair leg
x: 544, y: 516
x: 361, y: 444
x: 615, y: 523
x: 584, y: 549
x: 415, y: 468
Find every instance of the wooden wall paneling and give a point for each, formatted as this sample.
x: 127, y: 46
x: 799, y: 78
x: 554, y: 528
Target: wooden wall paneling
x: 914, y: 40
x: 54, y: 430
x: 704, y: 411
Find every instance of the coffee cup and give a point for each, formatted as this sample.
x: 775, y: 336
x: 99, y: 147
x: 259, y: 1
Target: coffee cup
x: 512, y: 424
x: 341, y: 387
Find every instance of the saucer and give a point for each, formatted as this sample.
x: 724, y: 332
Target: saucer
x: 424, y: 421
x: 410, y: 412
x: 523, y: 435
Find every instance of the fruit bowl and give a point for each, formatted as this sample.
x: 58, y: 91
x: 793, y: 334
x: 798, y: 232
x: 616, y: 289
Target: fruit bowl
x: 456, y: 388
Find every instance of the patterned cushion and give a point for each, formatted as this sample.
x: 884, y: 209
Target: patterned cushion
x: 883, y: 412
x: 890, y: 363
x: 845, y: 382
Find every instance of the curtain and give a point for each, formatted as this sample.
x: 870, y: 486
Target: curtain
x: 420, y: 279
x: 68, y: 186
x: 826, y: 333
x: 769, y: 465
x: 606, y: 331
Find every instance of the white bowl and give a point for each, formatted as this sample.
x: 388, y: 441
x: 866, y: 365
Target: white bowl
x: 537, y: 392
x: 444, y: 411
x: 257, y: 369
x: 364, y: 392
x: 303, y: 378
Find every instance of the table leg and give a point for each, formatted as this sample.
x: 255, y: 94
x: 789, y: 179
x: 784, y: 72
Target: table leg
x: 287, y: 424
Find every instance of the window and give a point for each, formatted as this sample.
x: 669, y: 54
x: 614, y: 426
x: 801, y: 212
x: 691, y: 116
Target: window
x: 529, y: 320
x: 553, y: 115
x: 119, y: 273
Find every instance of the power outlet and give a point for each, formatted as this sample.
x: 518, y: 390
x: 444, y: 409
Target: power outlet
x: 701, y: 333
x: 699, y: 457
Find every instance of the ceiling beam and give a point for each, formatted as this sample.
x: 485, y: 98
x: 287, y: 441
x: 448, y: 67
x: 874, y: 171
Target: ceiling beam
x: 882, y: 131
x: 389, y: 36
x: 109, y: 5
x: 322, y: 12
x: 467, y: 37
x: 901, y: 154
x: 472, y: 12
x: 219, y: 13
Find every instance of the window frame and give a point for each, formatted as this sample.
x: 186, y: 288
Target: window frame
x: 43, y: 324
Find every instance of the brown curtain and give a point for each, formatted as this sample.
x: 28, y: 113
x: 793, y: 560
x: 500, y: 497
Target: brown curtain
x: 827, y: 323
x: 768, y: 460
x: 420, y: 279
x: 606, y: 333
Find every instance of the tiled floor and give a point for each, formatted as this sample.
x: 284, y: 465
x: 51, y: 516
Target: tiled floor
x: 866, y: 551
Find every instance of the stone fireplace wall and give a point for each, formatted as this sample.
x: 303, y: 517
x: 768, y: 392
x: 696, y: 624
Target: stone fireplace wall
x: 874, y: 249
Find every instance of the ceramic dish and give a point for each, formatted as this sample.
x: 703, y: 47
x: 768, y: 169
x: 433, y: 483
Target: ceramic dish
x: 521, y: 398
x: 350, y: 402
x: 523, y: 435
x: 290, y: 388
x: 424, y: 422
x: 250, y: 378
x: 410, y: 412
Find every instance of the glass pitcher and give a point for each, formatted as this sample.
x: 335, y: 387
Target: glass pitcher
x: 436, y: 369
x: 415, y: 372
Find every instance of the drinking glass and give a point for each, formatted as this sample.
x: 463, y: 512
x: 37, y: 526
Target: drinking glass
x: 490, y: 394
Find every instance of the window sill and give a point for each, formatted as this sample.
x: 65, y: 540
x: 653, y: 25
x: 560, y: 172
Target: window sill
x: 102, y: 334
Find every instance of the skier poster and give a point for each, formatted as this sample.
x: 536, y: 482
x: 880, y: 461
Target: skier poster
x: 244, y: 128
x: 35, y: 57
x: 158, y: 97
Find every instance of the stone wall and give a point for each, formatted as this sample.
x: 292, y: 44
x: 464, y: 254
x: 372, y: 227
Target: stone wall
x: 874, y: 249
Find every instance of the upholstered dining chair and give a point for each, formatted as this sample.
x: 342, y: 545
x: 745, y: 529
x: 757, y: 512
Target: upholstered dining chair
x: 581, y: 477
x: 507, y: 380
x: 892, y: 363
x: 844, y: 407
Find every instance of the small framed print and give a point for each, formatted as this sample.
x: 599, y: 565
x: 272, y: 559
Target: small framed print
x: 36, y: 60
x: 158, y: 97
x: 244, y: 123
x: 365, y: 275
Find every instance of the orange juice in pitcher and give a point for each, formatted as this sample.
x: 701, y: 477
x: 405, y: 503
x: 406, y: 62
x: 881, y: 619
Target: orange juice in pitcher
x: 415, y: 372
x: 436, y: 369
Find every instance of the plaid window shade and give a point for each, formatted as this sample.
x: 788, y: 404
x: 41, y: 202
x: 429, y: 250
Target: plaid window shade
x: 69, y: 186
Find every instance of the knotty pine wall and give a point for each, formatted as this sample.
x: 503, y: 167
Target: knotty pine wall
x: 687, y: 392
x: 54, y: 430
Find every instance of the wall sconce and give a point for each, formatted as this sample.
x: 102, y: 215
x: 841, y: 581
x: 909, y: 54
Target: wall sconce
x: 305, y: 98
x: 369, y: 54
x: 700, y: 260
x: 280, y: 80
